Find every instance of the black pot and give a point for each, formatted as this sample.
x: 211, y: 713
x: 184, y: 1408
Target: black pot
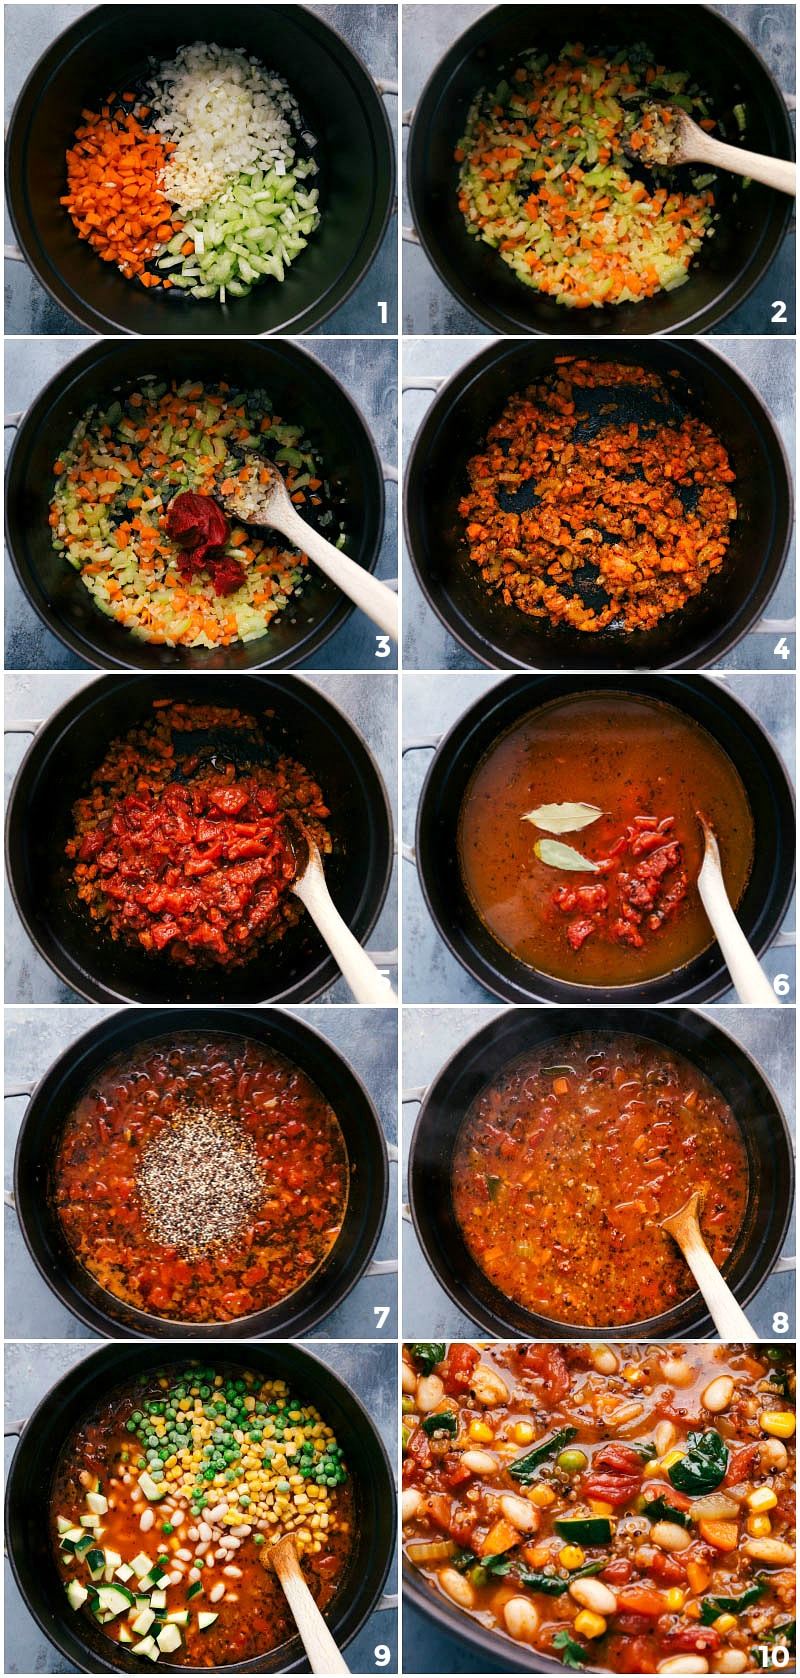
x: 729, y: 1067
x: 56, y: 770
x: 730, y: 723
x: 63, y: 1084
x: 339, y: 101
x: 300, y: 387
x: 80, y: 1392
x: 708, y: 626
x: 752, y: 221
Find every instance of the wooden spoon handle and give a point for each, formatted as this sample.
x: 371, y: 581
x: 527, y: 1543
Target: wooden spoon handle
x: 770, y: 171
x: 749, y: 979
x: 357, y: 968
x: 372, y: 596
x: 727, y: 1314
x: 323, y: 1654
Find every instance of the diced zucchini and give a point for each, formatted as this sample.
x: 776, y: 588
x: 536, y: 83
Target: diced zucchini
x: 141, y: 1565
x: 97, y: 1503
x: 115, y: 1599
x: 143, y: 1602
x: 584, y: 1529
x: 123, y: 1572
x: 72, y: 1536
x: 63, y: 1525
x: 151, y: 1491
x: 148, y: 1647
x: 194, y: 1590
x: 158, y: 1599
x: 206, y: 1620
x: 96, y: 1563
x: 179, y: 1617
x: 86, y: 1544
x: 144, y: 1619
x: 112, y: 1563
x: 90, y: 1520
x: 169, y: 1639
x: 76, y: 1593
x: 123, y: 1635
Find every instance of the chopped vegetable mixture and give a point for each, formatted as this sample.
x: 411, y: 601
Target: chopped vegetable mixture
x: 572, y: 496
x: 546, y: 178
x: 114, y: 518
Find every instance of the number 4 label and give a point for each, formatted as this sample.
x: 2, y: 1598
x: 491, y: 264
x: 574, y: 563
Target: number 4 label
x: 781, y: 648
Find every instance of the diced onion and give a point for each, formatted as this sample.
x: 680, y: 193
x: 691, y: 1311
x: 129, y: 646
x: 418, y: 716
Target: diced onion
x: 422, y: 1551
x: 715, y: 1507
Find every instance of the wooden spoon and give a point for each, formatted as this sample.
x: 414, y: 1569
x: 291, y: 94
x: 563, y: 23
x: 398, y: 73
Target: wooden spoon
x: 269, y: 504
x: 323, y: 1654
x: 687, y: 143
x: 357, y: 968
x: 749, y: 979
x: 727, y: 1314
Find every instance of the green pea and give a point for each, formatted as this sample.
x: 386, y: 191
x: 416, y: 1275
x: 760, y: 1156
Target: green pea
x: 572, y: 1462
x: 167, y: 1528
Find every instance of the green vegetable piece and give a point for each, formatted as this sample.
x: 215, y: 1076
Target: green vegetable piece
x: 493, y: 1184
x: 442, y: 1421
x: 713, y: 1606
x: 572, y: 1654
x: 524, y: 1468
x: 658, y: 1509
x: 428, y: 1353
x: 783, y: 1632
x: 704, y: 1466
x: 572, y: 1462
x: 584, y: 1529
x: 557, y: 855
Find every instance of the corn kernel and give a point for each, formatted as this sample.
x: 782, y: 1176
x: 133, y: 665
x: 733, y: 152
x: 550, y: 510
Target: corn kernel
x: 761, y: 1500
x: 542, y: 1496
x: 675, y: 1600
x: 671, y: 1458
x: 571, y: 1557
x: 724, y: 1622
x: 589, y: 1624
x: 759, y: 1526
x: 652, y: 1469
x: 481, y: 1431
x: 598, y: 1508
x: 779, y: 1423
x: 523, y: 1433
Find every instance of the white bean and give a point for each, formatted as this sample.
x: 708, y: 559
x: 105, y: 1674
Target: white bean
x: 219, y: 1555
x: 730, y: 1660
x: 126, y: 1479
x: 177, y: 1522
x: 663, y: 1437
x: 520, y: 1513
x: 146, y: 1520
x: 521, y: 1618
x: 772, y: 1455
x: 605, y: 1361
x: 409, y: 1379
x: 411, y: 1502
x: 183, y: 1555
x: 489, y: 1388
x: 678, y: 1371
x: 175, y: 1577
x: 592, y: 1593
x: 773, y: 1551
x: 456, y: 1587
x: 478, y: 1462
x: 205, y: 1532
x: 231, y: 1572
x: 200, y: 1549
x: 430, y: 1392
x: 241, y: 1532
x: 218, y: 1593
x: 218, y: 1512
x: 627, y: 1413
x: 194, y: 1575
x: 669, y: 1536
x: 193, y: 1534
x: 684, y: 1663
x: 718, y: 1394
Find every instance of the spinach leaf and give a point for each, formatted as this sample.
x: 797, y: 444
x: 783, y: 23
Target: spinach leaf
x: 712, y: 1606
x: 658, y: 1509
x: 572, y: 1654
x: 643, y: 1447
x: 525, y: 1467
x: 497, y: 1566
x: 704, y: 1466
x: 550, y: 1583
x: 428, y: 1353
x: 785, y: 1630
x: 442, y: 1421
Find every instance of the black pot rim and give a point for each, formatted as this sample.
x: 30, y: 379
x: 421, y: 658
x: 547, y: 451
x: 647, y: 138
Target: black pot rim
x: 701, y: 320
x: 340, y: 609
x: 103, y: 992
x: 650, y: 1328
x: 620, y: 994
x: 51, y: 1628
x: 236, y: 1020
x: 521, y: 1658
x: 486, y: 357
x: 99, y: 323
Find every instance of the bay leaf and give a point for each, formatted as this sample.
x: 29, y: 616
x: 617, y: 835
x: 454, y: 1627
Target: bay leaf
x: 562, y: 818
x: 557, y: 855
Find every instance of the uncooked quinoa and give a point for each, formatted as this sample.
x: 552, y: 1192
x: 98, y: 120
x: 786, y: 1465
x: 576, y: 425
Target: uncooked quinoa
x: 200, y: 1180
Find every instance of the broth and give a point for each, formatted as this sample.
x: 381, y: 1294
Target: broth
x: 648, y: 768
x: 567, y: 1163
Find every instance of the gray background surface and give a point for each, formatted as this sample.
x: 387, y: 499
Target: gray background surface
x: 769, y: 366
x: 371, y: 30
x: 432, y: 1035
x: 30, y: 1371
x: 368, y: 372
x: 428, y: 33
x: 35, y: 1037
x: 369, y: 701
x: 431, y: 705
